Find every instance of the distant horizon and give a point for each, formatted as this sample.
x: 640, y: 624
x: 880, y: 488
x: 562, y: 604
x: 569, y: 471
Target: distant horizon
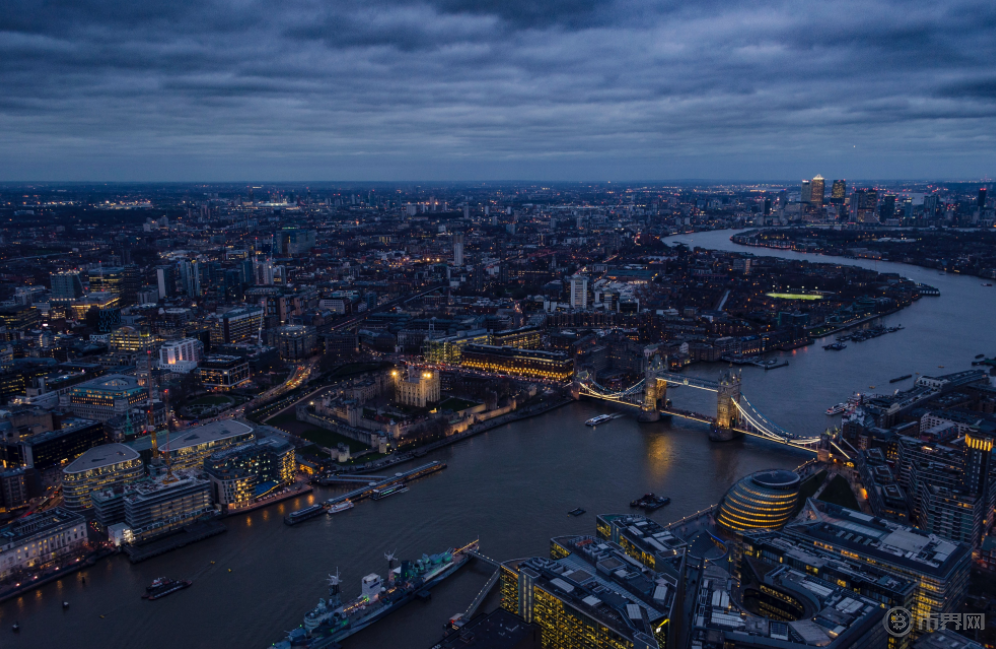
x: 673, y: 181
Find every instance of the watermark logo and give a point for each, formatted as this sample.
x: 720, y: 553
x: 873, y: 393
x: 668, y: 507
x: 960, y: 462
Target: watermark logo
x: 900, y: 622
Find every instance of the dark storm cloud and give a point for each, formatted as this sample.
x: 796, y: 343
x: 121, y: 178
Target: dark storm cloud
x: 428, y: 89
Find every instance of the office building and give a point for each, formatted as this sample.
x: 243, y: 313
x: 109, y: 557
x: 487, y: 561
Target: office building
x: 181, y: 355
x: 938, y: 567
x: 806, y: 192
x: 295, y: 342
x: 556, y: 366
x: 42, y: 540
x: 785, y: 608
x: 762, y: 500
x: 579, y: 292
x: 864, y: 205
x: 19, y: 317
x: 128, y: 339
x: 236, y: 326
x: 417, y: 388
x: 157, y: 506
x: 165, y: 281
x: 125, y: 281
x: 946, y: 639
x: 223, y: 371
x: 838, y: 192
x: 241, y: 475
x: 816, y: 191
x: 13, y: 488
x: 57, y: 447
x: 458, y: 248
x: 99, y: 468
x: 66, y: 287
x: 759, y: 551
x: 106, y: 397
x: 590, y: 593
x: 189, y: 448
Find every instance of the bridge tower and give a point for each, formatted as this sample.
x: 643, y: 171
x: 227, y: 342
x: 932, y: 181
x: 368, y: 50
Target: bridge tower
x: 727, y: 415
x: 649, y: 410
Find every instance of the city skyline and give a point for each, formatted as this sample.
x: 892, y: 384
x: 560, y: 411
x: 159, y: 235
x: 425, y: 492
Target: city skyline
x: 446, y: 90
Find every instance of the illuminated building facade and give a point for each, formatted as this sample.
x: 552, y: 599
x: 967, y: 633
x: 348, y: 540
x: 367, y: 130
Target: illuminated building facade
x: 937, y: 566
x: 41, y: 540
x: 130, y: 340
x: 449, y: 350
x: 236, y: 326
x: 19, y: 317
x: 838, y: 192
x: 522, y: 338
x: 590, y: 594
x: 189, y: 448
x: 106, y: 397
x: 817, y: 191
x: 157, y: 506
x: 417, y: 388
x: 99, y: 468
x: 223, y: 372
x: 181, y: 355
x: 244, y: 473
x: 556, y: 366
x: 66, y: 287
x: 762, y: 500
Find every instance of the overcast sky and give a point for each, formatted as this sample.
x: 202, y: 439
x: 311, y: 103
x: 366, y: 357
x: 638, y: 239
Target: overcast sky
x: 496, y: 89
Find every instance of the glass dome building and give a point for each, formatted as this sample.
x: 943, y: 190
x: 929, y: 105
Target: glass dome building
x: 762, y: 500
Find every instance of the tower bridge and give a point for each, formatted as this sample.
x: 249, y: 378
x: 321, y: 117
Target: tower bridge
x: 735, y: 415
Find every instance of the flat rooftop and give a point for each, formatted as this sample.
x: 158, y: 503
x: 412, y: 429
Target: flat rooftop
x: 101, y: 456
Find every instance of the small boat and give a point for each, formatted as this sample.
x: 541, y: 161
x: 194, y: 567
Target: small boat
x: 836, y: 409
x: 576, y: 512
x: 835, y: 347
x: 341, y: 507
x: 16, y: 627
x: 380, y: 494
x: 601, y: 419
x: 304, y: 514
x: 900, y: 378
x: 65, y: 605
x: 871, y: 387
x: 162, y: 587
x: 650, y: 502
x: 986, y: 284
x: 941, y: 366
x: 980, y: 355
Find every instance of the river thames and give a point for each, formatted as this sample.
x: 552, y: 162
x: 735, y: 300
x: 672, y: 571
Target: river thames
x: 510, y: 487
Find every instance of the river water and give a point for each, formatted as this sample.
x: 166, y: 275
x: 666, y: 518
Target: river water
x: 510, y: 487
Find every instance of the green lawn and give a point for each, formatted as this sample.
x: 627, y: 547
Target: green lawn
x: 811, y: 484
x: 838, y: 492
x: 456, y: 404
x: 211, y: 400
x: 283, y: 419
x: 327, y: 438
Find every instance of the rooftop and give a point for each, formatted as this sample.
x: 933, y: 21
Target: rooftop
x: 101, y: 456
x: 213, y: 432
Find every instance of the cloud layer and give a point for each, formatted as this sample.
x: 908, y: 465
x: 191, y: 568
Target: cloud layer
x: 489, y: 89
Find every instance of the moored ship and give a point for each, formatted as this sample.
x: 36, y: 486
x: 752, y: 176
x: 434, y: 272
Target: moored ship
x: 332, y: 620
x: 335, y: 508
x: 162, y: 587
x: 836, y: 409
x: 600, y: 419
x: 304, y: 514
